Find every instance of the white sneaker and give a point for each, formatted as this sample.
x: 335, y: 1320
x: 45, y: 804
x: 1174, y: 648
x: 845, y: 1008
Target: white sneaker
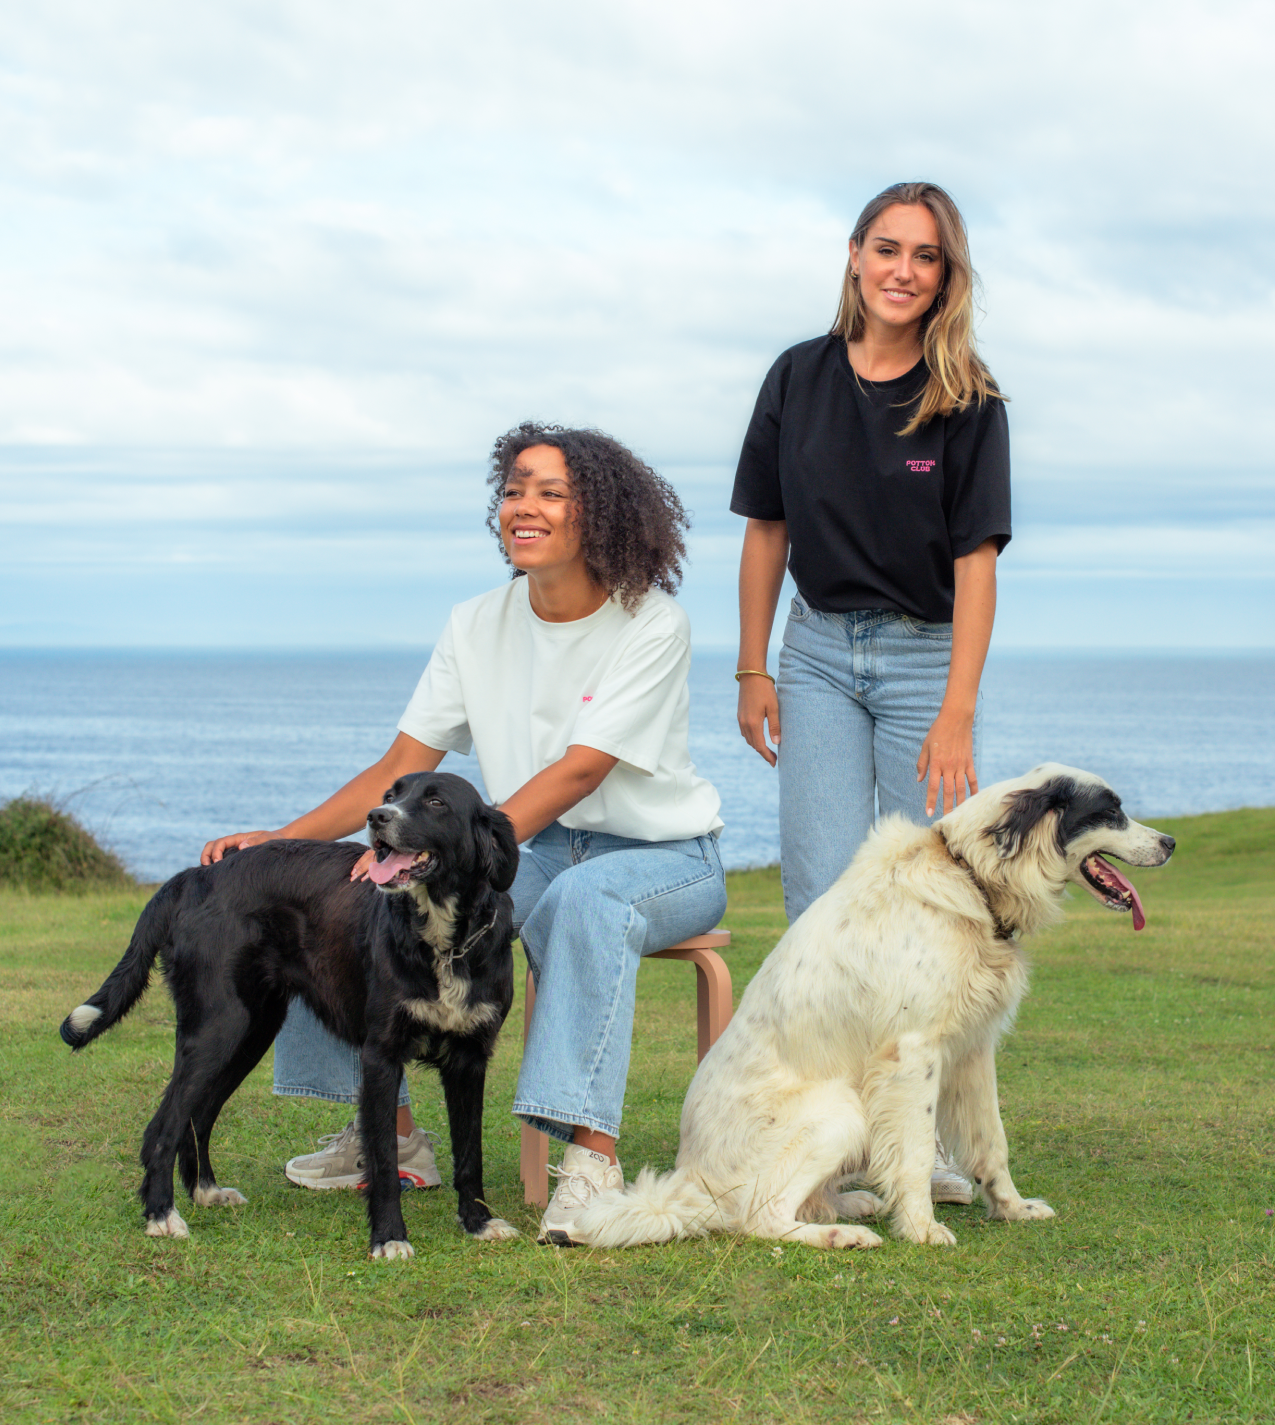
x: 948, y: 1184
x: 583, y: 1175
x: 339, y: 1163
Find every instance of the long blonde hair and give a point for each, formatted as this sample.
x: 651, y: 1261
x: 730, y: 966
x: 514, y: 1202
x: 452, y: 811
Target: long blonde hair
x: 957, y: 373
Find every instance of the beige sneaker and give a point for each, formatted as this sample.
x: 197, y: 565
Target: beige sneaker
x: 583, y: 1175
x: 339, y: 1163
x: 947, y: 1184
x: 416, y: 1166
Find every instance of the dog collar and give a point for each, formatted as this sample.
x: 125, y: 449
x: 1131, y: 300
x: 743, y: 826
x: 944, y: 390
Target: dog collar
x: 473, y: 939
x: 1003, y: 931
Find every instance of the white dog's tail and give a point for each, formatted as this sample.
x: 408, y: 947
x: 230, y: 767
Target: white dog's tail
x: 653, y: 1208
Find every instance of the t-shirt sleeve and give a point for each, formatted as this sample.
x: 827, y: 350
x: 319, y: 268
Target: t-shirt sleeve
x: 435, y: 714
x: 976, y: 464
x: 637, y: 696
x: 757, y: 493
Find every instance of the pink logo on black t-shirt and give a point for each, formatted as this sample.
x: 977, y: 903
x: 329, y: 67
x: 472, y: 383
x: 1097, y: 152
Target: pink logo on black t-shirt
x: 920, y: 467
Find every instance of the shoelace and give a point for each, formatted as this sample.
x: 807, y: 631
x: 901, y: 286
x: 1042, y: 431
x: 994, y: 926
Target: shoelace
x: 337, y: 1140
x: 575, y: 1188
x: 943, y: 1161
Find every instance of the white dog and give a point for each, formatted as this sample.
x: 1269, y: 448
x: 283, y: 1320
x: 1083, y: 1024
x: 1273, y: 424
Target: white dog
x: 875, y: 1021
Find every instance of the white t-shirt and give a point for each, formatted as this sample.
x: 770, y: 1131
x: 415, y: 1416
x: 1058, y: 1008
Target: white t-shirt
x: 521, y: 691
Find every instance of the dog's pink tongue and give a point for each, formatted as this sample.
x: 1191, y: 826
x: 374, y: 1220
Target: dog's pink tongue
x: 1125, y: 884
x: 396, y: 861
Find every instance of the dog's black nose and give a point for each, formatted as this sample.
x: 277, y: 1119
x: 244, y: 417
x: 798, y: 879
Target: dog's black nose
x: 1168, y: 843
x: 379, y: 816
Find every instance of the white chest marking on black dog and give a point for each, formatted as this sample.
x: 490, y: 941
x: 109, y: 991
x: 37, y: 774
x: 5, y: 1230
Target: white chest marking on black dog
x: 451, y: 1012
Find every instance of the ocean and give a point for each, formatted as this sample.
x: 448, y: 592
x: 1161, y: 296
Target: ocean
x: 157, y: 752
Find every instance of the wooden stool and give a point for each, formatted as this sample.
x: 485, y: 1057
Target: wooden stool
x: 713, y: 1011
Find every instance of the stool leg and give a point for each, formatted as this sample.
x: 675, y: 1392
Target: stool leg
x: 712, y: 998
x: 712, y: 993
x: 533, y: 1156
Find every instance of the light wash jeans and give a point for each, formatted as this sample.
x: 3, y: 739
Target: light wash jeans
x: 857, y: 694
x: 309, y: 1062
x: 588, y: 907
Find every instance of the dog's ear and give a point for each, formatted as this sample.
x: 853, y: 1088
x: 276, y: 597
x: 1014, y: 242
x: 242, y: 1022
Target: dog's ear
x: 497, y: 849
x: 1026, y: 809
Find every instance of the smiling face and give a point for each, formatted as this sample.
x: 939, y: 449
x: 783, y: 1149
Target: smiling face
x: 1075, y: 820
x: 900, y: 266
x: 433, y: 831
x: 539, y: 515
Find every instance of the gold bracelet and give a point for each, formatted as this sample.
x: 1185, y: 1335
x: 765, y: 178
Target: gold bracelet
x: 752, y: 672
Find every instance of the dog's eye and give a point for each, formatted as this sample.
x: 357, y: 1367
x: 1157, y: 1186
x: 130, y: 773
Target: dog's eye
x: 435, y: 802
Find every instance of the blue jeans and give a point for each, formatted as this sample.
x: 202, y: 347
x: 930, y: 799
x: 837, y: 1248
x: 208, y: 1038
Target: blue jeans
x: 588, y: 907
x: 311, y: 1063
x: 857, y: 694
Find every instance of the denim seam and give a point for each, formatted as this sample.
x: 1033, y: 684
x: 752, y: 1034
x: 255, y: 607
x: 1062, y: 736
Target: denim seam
x: 571, y: 1118
x: 913, y: 628
x: 605, y: 1034
x: 710, y: 874
x: 294, y: 1091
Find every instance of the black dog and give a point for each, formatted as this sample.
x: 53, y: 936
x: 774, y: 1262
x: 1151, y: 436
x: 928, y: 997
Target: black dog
x: 419, y: 966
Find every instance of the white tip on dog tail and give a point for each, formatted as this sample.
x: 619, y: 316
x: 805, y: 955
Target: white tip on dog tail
x: 77, y: 1026
x: 651, y: 1209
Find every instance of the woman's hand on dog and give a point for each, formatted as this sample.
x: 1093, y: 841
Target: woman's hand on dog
x: 236, y: 841
x: 241, y: 840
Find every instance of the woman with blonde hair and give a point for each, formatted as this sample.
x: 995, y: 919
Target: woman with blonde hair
x: 876, y: 469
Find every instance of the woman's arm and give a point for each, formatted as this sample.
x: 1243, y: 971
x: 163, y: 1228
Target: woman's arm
x: 947, y: 754
x: 761, y: 575
x: 577, y: 773
x: 345, y: 812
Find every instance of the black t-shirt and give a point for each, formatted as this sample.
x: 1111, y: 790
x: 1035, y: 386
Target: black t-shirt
x: 875, y: 519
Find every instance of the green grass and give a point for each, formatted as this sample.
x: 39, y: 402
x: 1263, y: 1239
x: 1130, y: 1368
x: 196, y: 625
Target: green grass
x: 1137, y: 1095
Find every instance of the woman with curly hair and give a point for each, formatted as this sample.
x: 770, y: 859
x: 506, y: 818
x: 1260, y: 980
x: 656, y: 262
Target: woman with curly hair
x: 876, y: 469
x: 569, y: 683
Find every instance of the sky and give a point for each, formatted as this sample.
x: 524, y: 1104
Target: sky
x: 274, y: 276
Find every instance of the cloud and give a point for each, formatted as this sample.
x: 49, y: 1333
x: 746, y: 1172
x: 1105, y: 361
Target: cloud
x: 266, y: 267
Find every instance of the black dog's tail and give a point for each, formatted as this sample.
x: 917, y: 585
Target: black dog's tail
x: 127, y: 982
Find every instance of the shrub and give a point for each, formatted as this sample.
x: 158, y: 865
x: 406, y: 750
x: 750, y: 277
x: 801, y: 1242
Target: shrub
x: 44, y: 848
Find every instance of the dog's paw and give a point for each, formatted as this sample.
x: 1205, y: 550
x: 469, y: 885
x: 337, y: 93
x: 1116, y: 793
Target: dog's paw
x: 922, y: 1227
x: 841, y: 1236
x: 1026, y: 1209
x: 859, y: 1204
x: 170, y: 1225
x: 496, y: 1229
x: 388, y: 1251
x: 217, y: 1197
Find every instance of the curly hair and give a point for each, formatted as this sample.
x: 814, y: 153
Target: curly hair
x: 631, y: 522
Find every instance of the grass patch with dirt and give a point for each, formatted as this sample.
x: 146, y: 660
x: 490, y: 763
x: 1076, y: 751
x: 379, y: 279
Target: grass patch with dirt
x: 1137, y: 1094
